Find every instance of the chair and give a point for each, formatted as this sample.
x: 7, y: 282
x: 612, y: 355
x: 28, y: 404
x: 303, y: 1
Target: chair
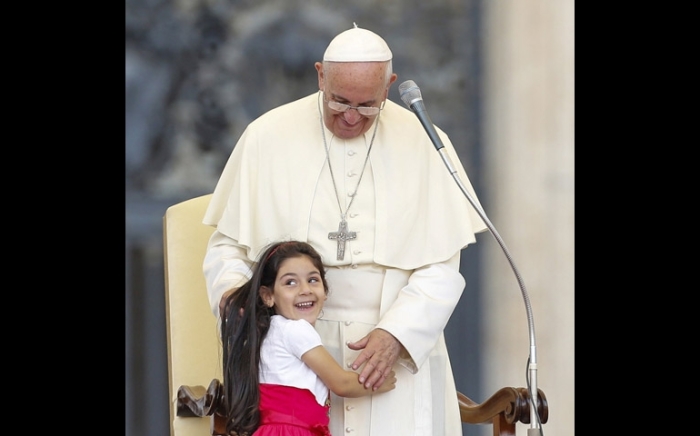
x: 193, y: 342
x: 194, y: 349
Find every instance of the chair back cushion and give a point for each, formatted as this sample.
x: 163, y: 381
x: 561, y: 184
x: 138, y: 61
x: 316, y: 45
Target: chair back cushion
x: 194, y: 356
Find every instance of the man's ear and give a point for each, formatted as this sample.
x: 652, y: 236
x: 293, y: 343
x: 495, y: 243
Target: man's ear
x: 267, y: 296
x: 319, y: 70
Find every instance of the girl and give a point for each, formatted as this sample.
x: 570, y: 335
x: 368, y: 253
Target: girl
x: 277, y: 374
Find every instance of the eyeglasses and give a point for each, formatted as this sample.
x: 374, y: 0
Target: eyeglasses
x: 368, y: 111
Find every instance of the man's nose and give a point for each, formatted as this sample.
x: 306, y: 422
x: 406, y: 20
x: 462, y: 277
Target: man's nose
x: 352, y: 116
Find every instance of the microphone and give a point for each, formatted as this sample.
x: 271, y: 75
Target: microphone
x: 410, y: 94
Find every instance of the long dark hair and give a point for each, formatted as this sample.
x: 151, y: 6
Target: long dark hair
x: 245, y: 322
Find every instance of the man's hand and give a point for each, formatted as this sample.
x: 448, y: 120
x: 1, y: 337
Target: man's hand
x: 222, y: 302
x: 380, y: 349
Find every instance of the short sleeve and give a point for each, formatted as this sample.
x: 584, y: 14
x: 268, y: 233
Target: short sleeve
x: 299, y: 337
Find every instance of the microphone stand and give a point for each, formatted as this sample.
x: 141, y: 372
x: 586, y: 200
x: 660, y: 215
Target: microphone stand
x: 535, y: 425
x: 411, y: 96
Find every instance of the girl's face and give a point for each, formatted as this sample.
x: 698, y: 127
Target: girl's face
x: 298, y: 291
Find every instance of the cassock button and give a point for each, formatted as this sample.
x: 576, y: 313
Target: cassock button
x: 349, y: 430
x: 351, y: 153
x: 354, y: 266
x: 348, y: 364
x: 356, y: 252
x: 348, y: 408
x: 348, y: 322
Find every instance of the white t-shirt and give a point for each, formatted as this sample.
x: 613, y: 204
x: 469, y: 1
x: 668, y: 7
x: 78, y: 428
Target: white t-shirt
x: 280, y: 356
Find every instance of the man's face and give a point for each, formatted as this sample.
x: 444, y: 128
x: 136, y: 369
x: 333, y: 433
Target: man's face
x: 356, y: 84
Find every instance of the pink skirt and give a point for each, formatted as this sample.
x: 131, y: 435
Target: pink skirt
x: 290, y: 411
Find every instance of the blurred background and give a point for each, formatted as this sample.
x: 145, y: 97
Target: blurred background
x: 497, y: 77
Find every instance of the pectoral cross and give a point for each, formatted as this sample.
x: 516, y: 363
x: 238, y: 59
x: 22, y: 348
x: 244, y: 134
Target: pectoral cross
x: 342, y: 235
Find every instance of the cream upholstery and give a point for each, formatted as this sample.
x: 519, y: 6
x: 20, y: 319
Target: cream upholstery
x: 194, y: 356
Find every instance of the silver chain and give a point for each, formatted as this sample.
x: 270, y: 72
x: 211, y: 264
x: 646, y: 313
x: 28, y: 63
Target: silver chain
x: 328, y: 158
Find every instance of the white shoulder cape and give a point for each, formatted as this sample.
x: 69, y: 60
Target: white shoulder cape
x: 267, y: 187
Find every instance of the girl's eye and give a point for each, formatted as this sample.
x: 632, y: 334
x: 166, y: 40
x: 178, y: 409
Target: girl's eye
x: 290, y: 282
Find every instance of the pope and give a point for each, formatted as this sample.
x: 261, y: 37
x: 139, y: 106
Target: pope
x: 355, y: 175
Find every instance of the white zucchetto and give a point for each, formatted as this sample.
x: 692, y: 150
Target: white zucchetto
x: 357, y: 45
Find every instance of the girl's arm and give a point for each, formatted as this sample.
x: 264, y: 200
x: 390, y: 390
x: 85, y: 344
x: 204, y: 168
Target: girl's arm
x: 340, y: 381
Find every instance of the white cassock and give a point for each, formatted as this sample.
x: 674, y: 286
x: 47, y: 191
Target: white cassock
x: 400, y: 273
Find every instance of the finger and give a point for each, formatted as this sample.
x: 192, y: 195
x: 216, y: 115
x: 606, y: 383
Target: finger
x: 364, y: 356
x: 358, y: 345
x: 379, y: 382
x: 367, y: 371
x: 377, y: 377
x: 381, y: 376
x: 389, y: 381
x: 389, y: 377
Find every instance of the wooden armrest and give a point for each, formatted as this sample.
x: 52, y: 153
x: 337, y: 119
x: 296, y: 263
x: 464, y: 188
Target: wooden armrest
x: 503, y: 409
x: 197, y: 401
